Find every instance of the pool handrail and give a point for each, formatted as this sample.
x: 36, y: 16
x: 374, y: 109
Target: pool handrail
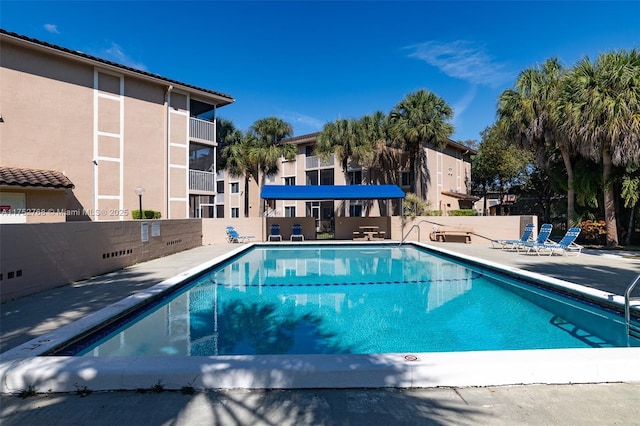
x: 632, y: 330
x: 417, y: 225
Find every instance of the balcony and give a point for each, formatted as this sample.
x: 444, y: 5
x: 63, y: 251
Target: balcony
x: 314, y: 162
x: 202, y: 130
x: 202, y: 181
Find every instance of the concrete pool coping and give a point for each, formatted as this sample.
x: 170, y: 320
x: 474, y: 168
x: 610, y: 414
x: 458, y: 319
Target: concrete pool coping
x: 21, y: 368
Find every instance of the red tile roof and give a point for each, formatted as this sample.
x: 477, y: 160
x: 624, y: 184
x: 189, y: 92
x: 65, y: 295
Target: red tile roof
x: 33, y: 178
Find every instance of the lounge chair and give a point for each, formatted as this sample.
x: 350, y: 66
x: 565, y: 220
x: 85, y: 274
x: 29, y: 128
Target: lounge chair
x: 565, y: 246
x: 527, y: 235
x: 543, y: 237
x: 234, y: 237
x: 275, y: 232
x: 296, y: 232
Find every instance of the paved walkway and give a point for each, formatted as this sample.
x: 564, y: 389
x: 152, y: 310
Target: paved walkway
x: 29, y: 317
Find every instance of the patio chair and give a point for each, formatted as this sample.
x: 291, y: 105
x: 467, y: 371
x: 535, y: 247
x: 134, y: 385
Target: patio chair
x: 234, y: 237
x: 543, y: 237
x: 565, y: 246
x: 296, y: 232
x: 275, y: 232
x: 527, y: 235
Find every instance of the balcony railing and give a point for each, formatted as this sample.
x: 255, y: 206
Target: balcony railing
x: 202, y: 130
x: 316, y: 162
x: 202, y: 181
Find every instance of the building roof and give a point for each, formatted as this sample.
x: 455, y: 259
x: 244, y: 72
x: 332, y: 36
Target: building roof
x: 331, y: 192
x: 460, y: 195
x: 310, y: 137
x: 33, y: 178
x: 224, y: 98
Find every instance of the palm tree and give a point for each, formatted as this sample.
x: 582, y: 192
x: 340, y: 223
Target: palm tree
x: 344, y: 139
x: 266, y: 148
x: 420, y: 119
x: 533, y: 113
x: 385, y: 160
x: 235, y: 154
x: 604, y: 115
x: 226, y: 133
x: 631, y: 195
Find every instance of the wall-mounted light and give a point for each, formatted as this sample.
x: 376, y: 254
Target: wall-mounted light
x: 1, y: 119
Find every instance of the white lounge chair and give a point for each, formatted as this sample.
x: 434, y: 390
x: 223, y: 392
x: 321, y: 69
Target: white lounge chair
x: 543, y: 237
x: 234, y: 237
x: 565, y: 246
x: 527, y: 235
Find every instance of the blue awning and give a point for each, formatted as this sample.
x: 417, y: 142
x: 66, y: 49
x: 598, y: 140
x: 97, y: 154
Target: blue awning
x: 331, y: 192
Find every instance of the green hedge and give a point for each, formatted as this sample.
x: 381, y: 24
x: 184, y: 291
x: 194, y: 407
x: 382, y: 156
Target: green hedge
x: 462, y: 212
x: 148, y: 214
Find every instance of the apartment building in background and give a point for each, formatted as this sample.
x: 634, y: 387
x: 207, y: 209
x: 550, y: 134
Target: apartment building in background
x: 449, y: 186
x: 82, y: 138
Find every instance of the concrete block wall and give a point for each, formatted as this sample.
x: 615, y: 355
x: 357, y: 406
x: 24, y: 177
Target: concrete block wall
x: 40, y: 256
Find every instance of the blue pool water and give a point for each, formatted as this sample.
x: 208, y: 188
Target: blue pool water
x: 360, y: 300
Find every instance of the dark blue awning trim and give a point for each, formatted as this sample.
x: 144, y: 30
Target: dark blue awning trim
x: 331, y: 192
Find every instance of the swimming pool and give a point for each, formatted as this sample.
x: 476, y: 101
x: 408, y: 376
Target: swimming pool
x: 355, y: 300
x: 26, y: 366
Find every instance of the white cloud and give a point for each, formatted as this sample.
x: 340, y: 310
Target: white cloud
x: 461, y: 106
x: 116, y: 54
x: 307, y: 121
x: 52, y: 28
x: 464, y: 60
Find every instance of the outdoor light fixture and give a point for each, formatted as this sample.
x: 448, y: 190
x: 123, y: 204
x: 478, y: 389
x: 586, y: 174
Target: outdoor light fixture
x: 140, y: 191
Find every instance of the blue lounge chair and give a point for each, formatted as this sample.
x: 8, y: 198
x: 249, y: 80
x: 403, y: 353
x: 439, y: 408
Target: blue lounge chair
x: 275, y: 232
x: 565, y: 246
x: 296, y: 232
x: 527, y: 235
x: 543, y: 237
x: 234, y: 237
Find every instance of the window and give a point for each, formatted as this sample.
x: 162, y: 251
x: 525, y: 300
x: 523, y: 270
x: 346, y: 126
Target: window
x: 308, y: 151
x: 291, y: 180
x: 220, y: 187
x: 355, y: 177
x: 201, y: 157
x: 355, y: 209
x: 312, y: 177
x: 235, y: 212
x: 235, y: 187
x: 405, y: 179
x: 326, y: 177
x: 289, y: 211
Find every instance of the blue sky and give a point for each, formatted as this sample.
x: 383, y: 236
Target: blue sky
x: 310, y: 63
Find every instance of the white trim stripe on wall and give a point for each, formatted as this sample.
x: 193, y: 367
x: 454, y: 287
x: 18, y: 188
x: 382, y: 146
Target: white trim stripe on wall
x: 97, y: 133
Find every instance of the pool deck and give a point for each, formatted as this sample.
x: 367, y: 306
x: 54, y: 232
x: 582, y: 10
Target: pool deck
x: 26, y: 318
